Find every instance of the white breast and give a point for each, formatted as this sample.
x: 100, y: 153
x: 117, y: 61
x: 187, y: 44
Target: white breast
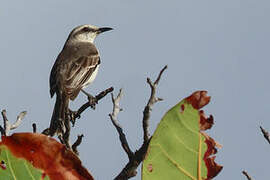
x: 92, y: 77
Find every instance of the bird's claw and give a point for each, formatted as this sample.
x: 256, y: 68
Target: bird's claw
x: 92, y: 101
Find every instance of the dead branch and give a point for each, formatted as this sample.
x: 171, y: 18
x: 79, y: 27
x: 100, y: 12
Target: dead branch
x: 76, y: 144
x: 113, y: 116
x: 265, y: 134
x: 88, y: 104
x: 64, y: 127
x: 7, y: 126
x: 135, y: 159
x: 6, y: 123
x: 152, y: 100
x: 18, y: 121
x: 246, y: 174
x: 73, y: 116
x: 34, y: 127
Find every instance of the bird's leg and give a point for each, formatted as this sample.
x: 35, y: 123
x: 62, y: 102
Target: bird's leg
x: 92, y: 100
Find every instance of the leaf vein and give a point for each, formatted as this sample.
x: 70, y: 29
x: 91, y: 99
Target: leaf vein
x: 175, y: 163
x: 9, y: 165
x: 180, y: 141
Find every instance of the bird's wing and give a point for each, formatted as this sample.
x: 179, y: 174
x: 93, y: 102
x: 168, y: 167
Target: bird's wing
x: 53, y: 76
x: 73, y: 69
x: 79, y: 73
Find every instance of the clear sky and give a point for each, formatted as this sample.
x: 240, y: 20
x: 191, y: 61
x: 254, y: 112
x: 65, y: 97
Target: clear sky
x: 218, y: 46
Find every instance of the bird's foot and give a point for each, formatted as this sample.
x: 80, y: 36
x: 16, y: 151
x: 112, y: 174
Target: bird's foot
x: 92, y: 100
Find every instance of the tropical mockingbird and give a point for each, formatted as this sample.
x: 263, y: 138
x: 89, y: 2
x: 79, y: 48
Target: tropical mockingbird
x: 75, y: 67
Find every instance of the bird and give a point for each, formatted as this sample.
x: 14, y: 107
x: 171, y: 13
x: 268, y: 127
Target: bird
x: 74, y: 69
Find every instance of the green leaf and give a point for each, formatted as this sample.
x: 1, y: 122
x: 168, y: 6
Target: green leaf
x: 179, y: 149
x: 13, y: 168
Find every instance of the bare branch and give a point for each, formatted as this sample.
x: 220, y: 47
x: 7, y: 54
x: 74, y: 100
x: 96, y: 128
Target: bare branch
x: 160, y: 74
x: 18, y: 121
x: 152, y: 100
x: 135, y: 159
x: 74, y: 115
x: 98, y: 97
x: 77, y: 143
x: 6, y: 123
x: 64, y: 126
x: 34, y: 127
x: 246, y: 174
x: 113, y: 116
x: 77, y: 114
x: 116, y: 103
x: 265, y: 134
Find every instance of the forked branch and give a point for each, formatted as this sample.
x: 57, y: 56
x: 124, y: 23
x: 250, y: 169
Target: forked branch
x: 152, y: 100
x: 135, y: 159
x: 7, y: 126
x: 113, y: 116
x: 64, y: 128
x: 88, y: 104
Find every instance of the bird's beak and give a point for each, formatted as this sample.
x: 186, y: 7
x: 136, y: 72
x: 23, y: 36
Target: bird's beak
x: 103, y: 29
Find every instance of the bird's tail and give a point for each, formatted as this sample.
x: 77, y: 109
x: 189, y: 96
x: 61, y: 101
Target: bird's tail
x: 58, y: 120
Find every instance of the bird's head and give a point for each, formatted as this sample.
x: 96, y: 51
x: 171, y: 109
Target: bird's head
x: 86, y: 33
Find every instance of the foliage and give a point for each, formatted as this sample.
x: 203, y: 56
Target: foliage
x: 180, y: 149
x: 36, y: 156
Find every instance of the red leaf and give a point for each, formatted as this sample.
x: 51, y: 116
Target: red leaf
x: 47, y: 154
x: 212, y: 166
x: 199, y: 99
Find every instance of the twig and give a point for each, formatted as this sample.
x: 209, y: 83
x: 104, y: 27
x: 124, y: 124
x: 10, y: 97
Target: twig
x: 152, y: 100
x: 18, y: 121
x: 246, y: 174
x: 73, y: 116
x: 64, y: 127
x: 135, y: 159
x: 265, y: 134
x: 34, y: 127
x: 88, y: 104
x: 7, y: 125
x: 77, y: 143
x: 113, y: 116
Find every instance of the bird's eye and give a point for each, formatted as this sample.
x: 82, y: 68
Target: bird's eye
x: 85, y: 29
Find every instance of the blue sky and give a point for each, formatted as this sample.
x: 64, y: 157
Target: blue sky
x: 218, y: 46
